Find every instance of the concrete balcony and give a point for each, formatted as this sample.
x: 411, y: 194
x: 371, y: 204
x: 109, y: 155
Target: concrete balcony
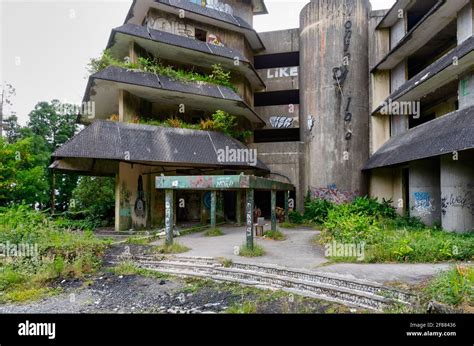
x: 445, y: 71
x: 183, y: 50
x: 437, y: 19
x: 104, y: 87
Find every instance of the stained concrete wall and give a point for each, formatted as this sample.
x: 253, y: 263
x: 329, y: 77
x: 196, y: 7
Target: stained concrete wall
x: 397, y: 32
x: 457, y: 192
x: 465, y: 22
x: 127, y: 214
x: 387, y: 183
x: 425, y: 192
x: 284, y: 161
x: 333, y: 41
x: 379, y: 46
x: 280, y: 41
x: 398, y: 77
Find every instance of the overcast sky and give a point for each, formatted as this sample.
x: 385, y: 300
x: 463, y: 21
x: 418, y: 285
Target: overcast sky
x: 45, y: 45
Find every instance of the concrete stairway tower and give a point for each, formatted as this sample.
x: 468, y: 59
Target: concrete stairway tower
x: 334, y: 114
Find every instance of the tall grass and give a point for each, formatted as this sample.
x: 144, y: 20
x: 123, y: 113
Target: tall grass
x: 61, y: 253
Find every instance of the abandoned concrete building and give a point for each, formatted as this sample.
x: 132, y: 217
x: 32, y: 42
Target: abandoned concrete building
x: 353, y: 102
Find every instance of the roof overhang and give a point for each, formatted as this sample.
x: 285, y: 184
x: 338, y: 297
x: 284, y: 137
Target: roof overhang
x: 450, y: 133
x: 259, y: 7
x: 103, y: 90
x: 435, y: 76
x: 391, y: 17
x: 103, y: 144
x: 443, y: 13
x: 181, y: 49
x: 220, y: 182
x: 139, y: 10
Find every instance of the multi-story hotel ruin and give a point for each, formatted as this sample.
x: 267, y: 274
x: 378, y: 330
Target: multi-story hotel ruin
x: 352, y: 102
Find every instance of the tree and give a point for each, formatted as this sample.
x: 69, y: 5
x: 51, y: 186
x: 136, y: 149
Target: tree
x: 7, y: 93
x: 13, y: 130
x: 23, y: 172
x: 96, y: 197
x: 54, y: 121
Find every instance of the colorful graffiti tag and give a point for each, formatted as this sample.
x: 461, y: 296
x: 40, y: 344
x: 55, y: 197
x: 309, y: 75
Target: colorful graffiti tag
x: 332, y: 194
x: 424, y: 204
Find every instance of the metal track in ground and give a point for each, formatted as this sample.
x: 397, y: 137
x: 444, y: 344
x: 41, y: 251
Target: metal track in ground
x: 354, y: 293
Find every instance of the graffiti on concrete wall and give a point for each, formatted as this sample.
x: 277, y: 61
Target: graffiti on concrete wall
x: 332, y: 194
x: 140, y: 204
x: 424, y: 204
x: 457, y: 201
x: 281, y: 122
x: 282, y: 72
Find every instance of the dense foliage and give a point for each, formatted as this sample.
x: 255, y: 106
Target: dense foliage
x: 453, y: 287
x: 220, y: 121
x: 387, y: 236
x: 61, y: 253
x: 153, y: 65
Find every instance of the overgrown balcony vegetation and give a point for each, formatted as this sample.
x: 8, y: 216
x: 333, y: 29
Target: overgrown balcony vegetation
x: 219, y: 121
x: 153, y: 65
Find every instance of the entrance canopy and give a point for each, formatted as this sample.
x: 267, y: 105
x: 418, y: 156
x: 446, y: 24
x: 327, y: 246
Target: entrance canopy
x: 220, y: 182
x: 215, y: 183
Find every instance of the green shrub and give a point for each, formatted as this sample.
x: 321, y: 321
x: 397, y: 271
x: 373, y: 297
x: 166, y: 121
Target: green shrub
x: 317, y: 210
x: 372, y: 207
x: 296, y: 218
x: 345, y: 226
x: 453, y: 287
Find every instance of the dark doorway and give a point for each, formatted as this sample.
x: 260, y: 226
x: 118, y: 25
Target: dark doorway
x: 230, y: 205
x: 406, y: 189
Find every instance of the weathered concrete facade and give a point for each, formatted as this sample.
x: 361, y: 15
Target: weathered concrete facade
x: 432, y: 184
x: 334, y: 94
x: 350, y: 103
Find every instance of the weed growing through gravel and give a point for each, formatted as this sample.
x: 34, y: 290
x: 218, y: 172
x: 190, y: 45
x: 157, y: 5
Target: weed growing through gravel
x: 257, y: 251
x: 130, y: 268
x: 216, y: 232
x: 171, y: 249
x: 275, y: 235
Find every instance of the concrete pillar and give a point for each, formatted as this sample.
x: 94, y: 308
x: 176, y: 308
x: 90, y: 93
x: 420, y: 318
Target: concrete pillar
x: 398, y: 77
x: 273, y: 210
x: 123, y: 201
x: 213, y: 209
x: 425, y: 192
x: 169, y: 216
x: 249, y: 203
x: 334, y: 108
x: 238, y: 208
x: 287, y: 209
x: 457, y: 193
x: 465, y: 22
